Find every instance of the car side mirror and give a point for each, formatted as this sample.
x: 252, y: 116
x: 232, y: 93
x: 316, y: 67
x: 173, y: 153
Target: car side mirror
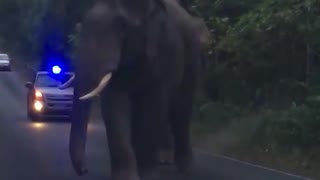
x: 28, y: 85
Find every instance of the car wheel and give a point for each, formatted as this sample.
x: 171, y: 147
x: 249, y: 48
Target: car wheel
x: 7, y: 68
x: 30, y: 115
x: 33, y: 117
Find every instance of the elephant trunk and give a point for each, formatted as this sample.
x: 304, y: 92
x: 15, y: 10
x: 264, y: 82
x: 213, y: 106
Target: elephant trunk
x: 78, y: 133
x: 77, y: 153
x: 80, y: 119
x: 67, y: 84
x: 103, y: 83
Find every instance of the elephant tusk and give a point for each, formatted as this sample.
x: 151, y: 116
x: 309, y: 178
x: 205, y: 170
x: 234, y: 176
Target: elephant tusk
x: 103, y: 83
x: 66, y: 84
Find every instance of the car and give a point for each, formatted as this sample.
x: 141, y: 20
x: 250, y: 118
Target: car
x: 45, y: 99
x: 5, y: 62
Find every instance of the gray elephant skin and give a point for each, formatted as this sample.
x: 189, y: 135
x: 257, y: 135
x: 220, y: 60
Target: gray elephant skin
x: 143, y: 58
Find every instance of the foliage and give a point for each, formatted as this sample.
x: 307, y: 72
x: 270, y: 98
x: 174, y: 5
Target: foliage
x: 296, y: 128
x: 264, y: 51
x: 31, y: 27
x: 211, y: 117
x: 265, y: 56
x: 20, y: 21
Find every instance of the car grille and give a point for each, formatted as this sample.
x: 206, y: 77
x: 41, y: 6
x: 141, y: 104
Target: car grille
x: 59, y: 97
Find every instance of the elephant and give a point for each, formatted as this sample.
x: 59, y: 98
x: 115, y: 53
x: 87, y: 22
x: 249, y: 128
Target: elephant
x: 142, y: 59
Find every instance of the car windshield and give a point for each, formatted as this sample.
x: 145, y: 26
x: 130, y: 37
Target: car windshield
x: 4, y: 57
x: 47, y: 80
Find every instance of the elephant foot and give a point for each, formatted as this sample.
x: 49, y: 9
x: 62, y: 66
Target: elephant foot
x: 78, y: 163
x: 184, y: 163
x: 82, y: 171
x: 80, y: 168
x: 184, y: 168
x: 166, y: 157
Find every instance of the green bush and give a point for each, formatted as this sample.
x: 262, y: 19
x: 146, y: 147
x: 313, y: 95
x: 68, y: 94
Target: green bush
x: 211, y: 117
x: 297, y: 127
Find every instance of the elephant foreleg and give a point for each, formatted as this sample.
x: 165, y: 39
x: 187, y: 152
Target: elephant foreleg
x: 166, y: 152
x: 115, y: 109
x: 148, y: 126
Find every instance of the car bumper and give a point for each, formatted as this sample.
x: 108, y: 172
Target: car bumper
x: 53, y: 112
x: 5, y: 67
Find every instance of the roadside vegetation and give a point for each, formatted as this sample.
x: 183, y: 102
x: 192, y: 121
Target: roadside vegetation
x: 261, y: 93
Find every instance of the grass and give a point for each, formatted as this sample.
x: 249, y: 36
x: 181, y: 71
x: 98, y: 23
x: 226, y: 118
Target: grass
x: 286, y: 140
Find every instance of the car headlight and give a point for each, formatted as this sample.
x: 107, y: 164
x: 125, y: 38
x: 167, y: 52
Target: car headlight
x: 38, y: 105
x: 38, y: 94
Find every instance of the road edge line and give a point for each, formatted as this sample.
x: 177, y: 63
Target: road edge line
x: 250, y: 164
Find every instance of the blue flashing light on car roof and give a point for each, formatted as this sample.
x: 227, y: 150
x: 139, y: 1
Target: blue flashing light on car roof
x: 56, y: 69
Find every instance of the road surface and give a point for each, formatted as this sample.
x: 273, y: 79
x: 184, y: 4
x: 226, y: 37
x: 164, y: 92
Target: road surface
x: 32, y: 151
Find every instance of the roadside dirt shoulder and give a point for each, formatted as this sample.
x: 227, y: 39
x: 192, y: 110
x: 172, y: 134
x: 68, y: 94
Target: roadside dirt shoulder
x: 234, y: 141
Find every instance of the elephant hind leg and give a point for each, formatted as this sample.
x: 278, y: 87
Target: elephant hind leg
x: 180, y: 120
x: 166, y: 152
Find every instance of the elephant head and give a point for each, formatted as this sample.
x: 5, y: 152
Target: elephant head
x: 108, y: 28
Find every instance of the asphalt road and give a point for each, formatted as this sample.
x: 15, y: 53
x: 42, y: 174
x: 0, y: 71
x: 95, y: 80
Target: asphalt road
x: 32, y: 151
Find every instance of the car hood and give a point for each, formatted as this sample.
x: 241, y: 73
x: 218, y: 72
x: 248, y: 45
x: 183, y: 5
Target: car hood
x: 4, y: 61
x: 55, y: 90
